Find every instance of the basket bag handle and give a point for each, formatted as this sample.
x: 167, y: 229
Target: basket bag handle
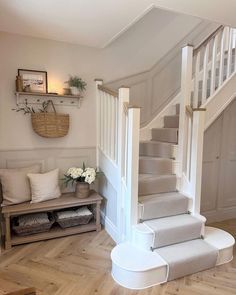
x: 52, y: 104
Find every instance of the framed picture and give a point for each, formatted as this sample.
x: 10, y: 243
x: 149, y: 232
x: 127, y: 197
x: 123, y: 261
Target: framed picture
x: 34, y: 81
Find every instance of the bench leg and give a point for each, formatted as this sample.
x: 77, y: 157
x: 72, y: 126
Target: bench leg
x: 8, y: 232
x: 98, y: 222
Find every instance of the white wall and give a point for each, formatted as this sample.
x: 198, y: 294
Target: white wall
x: 137, y: 50
x: 58, y: 59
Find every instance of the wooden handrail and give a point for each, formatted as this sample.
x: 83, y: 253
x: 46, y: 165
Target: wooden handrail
x: 189, y: 110
x: 207, y: 39
x: 108, y: 90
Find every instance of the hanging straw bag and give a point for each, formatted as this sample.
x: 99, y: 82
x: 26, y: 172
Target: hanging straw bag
x: 50, y: 125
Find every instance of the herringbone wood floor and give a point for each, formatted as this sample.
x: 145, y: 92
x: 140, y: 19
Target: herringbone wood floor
x: 80, y: 265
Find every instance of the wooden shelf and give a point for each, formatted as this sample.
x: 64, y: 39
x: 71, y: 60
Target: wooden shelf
x: 65, y: 201
x: 39, y: 98
x: 55, y: 232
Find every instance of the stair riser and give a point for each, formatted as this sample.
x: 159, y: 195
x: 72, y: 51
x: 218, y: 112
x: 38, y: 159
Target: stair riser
x: 157, y: 186
x: 165, y: 135
x: 162, y: 209
x: 178, y: 235
x: 171, y: 121
x: 157, y: 150
x: 162, y: 167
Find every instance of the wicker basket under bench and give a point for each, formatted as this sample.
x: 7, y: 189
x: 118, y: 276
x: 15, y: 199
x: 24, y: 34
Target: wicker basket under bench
x: 64, y: 202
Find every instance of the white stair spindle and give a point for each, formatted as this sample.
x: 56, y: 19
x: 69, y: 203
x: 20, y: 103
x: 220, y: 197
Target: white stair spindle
x: 109, y: 98
x: 222, y: 56
x: 112, y: 130
x: 205, y: 74
x: 213, y: 65
x: 229, y: 59
x: 234, y: 36
x: 196, y: 81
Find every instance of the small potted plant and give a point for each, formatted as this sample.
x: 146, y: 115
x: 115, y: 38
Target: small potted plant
x: 83, y: 177
x: 76, y: 84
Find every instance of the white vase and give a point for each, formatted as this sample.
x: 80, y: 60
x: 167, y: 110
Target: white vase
x: 74, y: 91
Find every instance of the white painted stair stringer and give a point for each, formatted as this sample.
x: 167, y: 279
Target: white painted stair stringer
x: 145, y: 269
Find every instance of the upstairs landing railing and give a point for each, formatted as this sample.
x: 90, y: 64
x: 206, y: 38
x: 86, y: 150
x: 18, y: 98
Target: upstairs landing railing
x: 205, y: 70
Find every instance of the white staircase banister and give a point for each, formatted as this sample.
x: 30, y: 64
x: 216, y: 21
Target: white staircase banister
x: 197, y: 157
x: 132, y: 168
x: 186, y: 82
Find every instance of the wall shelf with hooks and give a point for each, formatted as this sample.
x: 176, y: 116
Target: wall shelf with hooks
x: 39, y: 98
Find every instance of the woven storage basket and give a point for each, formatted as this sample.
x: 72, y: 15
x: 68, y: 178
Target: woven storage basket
x: 33, y: 229
x: 50, y: 125
x: 73, y: 221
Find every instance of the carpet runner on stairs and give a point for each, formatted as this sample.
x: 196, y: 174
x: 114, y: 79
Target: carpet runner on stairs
x: 152, y: 184
x: 188, y: 258
x: 162, y: 205
x: 174, y: 229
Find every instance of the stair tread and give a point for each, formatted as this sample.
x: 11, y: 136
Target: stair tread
x: 172, y: 222
x: 167, y: 128
x: 158, y: 142
x: 151, y: 177
x: 188, y: 257
x: 156, y: 198
x: 155, y: 158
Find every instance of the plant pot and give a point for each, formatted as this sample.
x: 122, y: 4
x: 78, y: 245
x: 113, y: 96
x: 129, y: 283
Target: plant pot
x: 82, y: 190
x: 74, y: 91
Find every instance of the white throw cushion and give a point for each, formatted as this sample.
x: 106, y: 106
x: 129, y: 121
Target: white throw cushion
x: 44, y: 186
x: 15, y: 184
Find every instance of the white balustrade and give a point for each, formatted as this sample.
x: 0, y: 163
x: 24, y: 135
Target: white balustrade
x: 118, y: 128
x: 213, y: 63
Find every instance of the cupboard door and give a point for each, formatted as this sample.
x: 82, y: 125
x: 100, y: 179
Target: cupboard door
x: 211, y: 164
x: 227, y: 185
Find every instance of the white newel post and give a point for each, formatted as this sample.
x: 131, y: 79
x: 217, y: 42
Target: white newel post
x: 98, y: 120
x: 132, y: 170
x: 197, y: 157
x: 186, y: 88
x: 123, y: 101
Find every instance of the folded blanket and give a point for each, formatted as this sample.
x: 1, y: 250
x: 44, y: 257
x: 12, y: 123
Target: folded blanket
x: 82, y: 211
x: 33, y: 219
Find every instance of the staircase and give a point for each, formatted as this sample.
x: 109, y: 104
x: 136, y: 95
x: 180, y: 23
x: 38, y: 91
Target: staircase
x: 171, y: 241
x: 165, y: 236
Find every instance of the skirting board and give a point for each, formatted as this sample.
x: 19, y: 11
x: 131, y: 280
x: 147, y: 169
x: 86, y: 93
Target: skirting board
x: 220, y: 214
x: 109, y: 227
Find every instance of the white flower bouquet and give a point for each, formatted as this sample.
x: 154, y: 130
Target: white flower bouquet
x: 85, y: 174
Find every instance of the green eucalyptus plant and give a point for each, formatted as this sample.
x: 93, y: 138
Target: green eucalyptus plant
x: 26, y: 109
x: 75, y: 81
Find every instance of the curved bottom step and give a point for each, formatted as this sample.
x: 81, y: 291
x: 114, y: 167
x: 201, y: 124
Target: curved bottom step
x: 135, y: 268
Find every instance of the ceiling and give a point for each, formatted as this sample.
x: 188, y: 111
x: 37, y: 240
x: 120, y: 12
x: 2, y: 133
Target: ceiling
x: 97, y: 23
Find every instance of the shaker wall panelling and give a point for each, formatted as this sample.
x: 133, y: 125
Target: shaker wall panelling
x: 219, y: 168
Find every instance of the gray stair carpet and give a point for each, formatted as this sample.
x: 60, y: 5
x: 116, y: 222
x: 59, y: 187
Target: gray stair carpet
x: 154, y: 184
x: 154, y: 165
x: 156, y: 149
x: 162, y: 205
x: 188, y: 258
x: 174, y: 229
x: 165, y: 135
x: 171, y: 121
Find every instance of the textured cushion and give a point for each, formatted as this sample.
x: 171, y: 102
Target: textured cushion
x: 44, y: 186
x: 15, y: 184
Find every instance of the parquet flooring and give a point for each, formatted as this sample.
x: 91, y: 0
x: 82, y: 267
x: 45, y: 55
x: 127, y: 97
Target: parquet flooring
x: 80, y: 265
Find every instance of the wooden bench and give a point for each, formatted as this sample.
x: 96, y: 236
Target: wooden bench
x: 65, y: 201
